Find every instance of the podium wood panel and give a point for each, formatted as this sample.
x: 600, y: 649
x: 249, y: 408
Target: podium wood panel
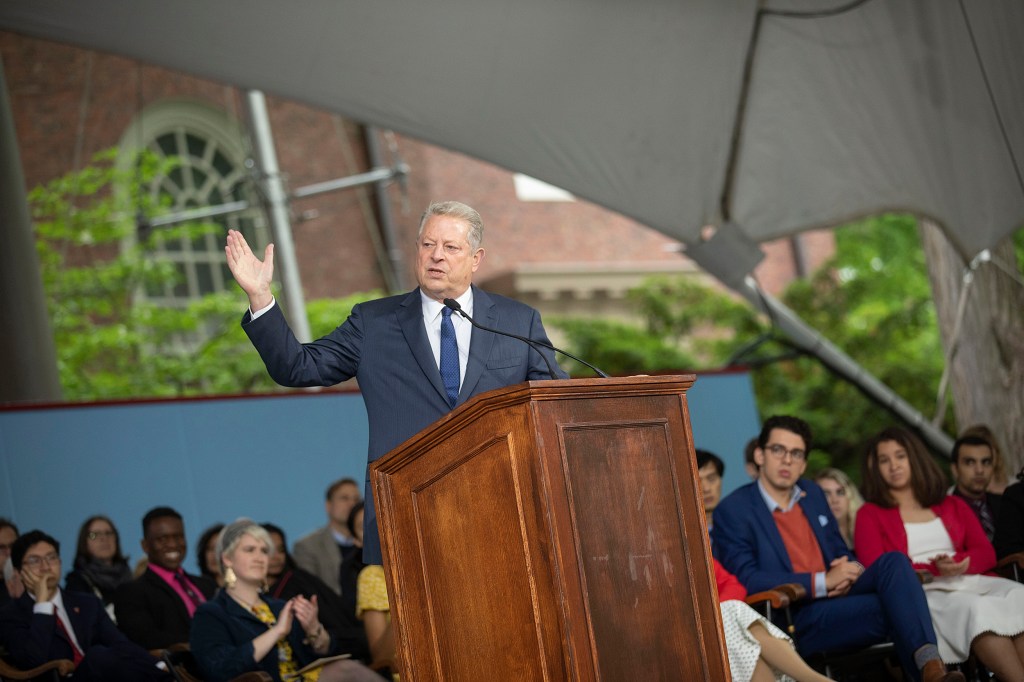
x: 552, y: 531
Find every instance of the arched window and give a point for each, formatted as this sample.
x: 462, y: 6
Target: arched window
x: 210, y: 171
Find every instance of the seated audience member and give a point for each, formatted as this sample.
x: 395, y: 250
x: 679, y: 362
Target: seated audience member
x: 757, y: 649
x: 206, y: 554
x: 372, y: 605
x: 240, y: 631
x: 972, y: 464
x: 100, y: 567
x: 322, y: 551
x: 155, y: 610
x: 749, y: 465
x: 12, y: 581
x: 1010, y: 522
x: 352, y: 564
x: 47, y: 623
x: 286, y: 580
x: 1001, y: 477
x: 710, y: 469
x: 8, y: 534
x: 779, y: 529
x: 843, y: 499
x: 908, y: 511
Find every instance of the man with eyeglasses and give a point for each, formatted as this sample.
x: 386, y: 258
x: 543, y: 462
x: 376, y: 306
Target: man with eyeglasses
x: 47, y: 623
x: 779, y: 529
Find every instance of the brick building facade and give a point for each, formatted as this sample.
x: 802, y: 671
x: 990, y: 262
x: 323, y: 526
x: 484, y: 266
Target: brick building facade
x: 562, y: 255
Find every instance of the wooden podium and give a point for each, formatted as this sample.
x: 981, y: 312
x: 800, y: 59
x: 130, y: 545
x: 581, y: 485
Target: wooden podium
x: 552, y: 530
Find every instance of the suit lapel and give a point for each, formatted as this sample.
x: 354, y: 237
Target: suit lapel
x: 485, y: 312
x: 771, y: 532
x: 79, y: 619
x: 410, y: 318
x: 162, y: 585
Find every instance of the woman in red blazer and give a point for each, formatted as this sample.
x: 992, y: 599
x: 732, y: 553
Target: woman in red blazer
x: 756, y: 647
x: 908, y: 511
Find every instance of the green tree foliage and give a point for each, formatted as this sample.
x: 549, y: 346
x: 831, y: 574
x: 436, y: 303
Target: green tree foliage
x: 872, y: 300
x: 112, y: 343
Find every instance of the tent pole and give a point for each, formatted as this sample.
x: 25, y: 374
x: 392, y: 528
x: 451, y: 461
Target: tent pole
x: 277, y: 198
x: 810, y: 341
x: 29, y: 370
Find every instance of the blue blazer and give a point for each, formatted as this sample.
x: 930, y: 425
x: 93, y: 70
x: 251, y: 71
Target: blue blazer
x: 222, y: 634
x: 749, y: 545
x: 33, y: 638
x: 384, y: 345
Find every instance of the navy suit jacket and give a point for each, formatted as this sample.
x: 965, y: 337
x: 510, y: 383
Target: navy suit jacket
x: 33, y: 639
x: 748, y: 543
x: 222, y: 634
x: 384, y: 345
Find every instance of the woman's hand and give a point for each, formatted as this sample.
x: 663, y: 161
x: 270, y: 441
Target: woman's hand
x: 307, y: 612
x: 949, y: 568
x: 283, y: 626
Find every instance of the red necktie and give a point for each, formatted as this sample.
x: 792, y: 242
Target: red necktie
x: 76, y: 653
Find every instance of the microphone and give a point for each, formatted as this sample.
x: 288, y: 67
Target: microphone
x: 533, y: 343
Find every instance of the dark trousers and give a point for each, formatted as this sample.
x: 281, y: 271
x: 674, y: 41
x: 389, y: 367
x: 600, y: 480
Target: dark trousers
x: 886, y: 603
x: 118, y: 664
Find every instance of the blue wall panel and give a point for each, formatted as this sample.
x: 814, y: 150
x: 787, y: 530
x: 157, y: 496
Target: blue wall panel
x: 266, y: 457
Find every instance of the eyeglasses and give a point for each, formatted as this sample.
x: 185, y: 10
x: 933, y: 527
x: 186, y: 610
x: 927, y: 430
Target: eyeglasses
x: 97, y: 534
x: 35, y: 560
x: 780, y: 451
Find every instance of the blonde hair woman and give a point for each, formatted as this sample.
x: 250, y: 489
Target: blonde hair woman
x: 843, y: 499
x: 240, y: 630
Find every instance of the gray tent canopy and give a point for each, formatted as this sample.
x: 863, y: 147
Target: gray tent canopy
x: 764, y: 118
x: 875, y: 105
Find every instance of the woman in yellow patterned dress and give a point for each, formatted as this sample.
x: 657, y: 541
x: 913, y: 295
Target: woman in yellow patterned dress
x: 240, y: 631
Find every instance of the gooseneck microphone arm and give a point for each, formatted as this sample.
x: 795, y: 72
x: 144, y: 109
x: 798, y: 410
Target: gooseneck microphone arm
x: 533, y: 343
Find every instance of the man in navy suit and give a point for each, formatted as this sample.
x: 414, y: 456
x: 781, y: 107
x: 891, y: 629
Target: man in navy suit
x: 47, y: 624
x: 779, y: 529
x: 395, y: 346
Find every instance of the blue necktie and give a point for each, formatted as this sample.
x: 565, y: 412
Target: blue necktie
x: 449, y: 357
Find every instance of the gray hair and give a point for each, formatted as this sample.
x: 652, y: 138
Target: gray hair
x: 456, y: 209
x: 232, y: 534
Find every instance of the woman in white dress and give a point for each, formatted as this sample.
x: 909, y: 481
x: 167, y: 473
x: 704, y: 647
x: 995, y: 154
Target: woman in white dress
x: 908, y: 510
x: 758, y: 651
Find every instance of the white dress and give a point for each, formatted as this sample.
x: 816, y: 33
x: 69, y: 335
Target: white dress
x: 743, y: 648
x: 964, y: 606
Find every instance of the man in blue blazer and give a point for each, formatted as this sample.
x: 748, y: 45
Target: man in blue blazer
x: 396, y: 346
x: 779, y: 529
x: 47, y: 624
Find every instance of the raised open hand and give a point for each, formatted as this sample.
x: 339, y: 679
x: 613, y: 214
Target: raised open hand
x: 252, y: 274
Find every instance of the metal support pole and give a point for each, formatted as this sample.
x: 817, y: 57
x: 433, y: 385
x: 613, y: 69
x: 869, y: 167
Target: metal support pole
x: 842, y: 364
x: 277, y: 200
x: 29, y: 370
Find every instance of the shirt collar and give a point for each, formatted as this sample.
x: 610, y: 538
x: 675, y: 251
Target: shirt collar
x: 794, y: 496
x: 432, y: 309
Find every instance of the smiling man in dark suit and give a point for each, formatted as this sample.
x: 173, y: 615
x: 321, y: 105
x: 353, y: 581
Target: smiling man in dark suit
x: 46, y: 624
x: 414, y: 361
x: 155, y: 610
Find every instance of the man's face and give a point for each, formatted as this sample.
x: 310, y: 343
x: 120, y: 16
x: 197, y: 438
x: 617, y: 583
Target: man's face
x: 782, y: 460
x: 445, y: 261
x: 973, y: 469
x: 164, y: 542
x: 43, y: 562
x: 710, y: 485
x: 341, y: 502
x: 7, y: 538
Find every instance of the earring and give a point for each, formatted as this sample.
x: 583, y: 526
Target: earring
x: 229, y: 577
